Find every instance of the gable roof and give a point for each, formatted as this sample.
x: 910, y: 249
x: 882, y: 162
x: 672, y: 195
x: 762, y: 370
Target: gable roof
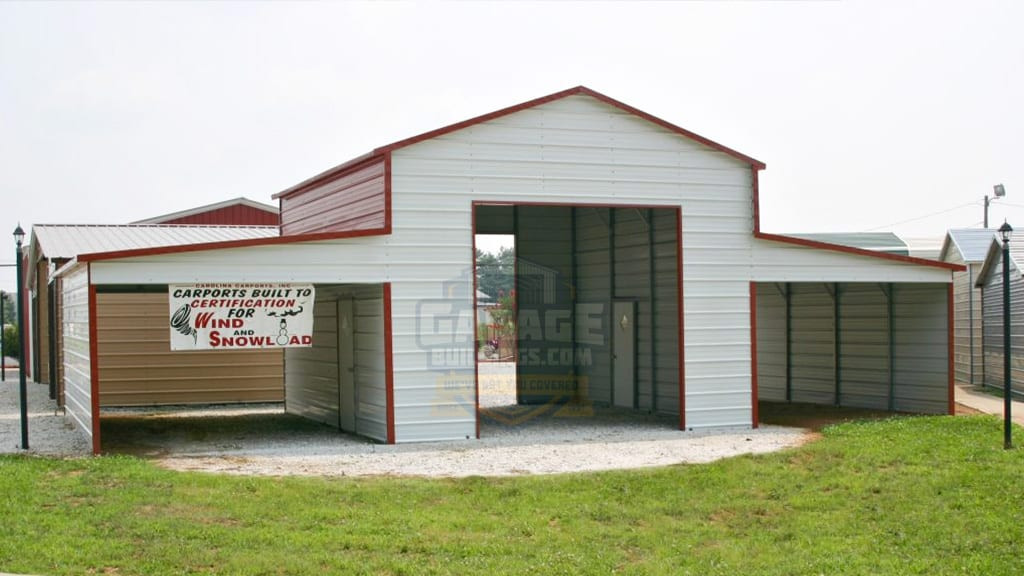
x: 578, y: 90
x: 972, y: 243
x: 240, y: 201
x: 994, y: 255
x: 70, y: 240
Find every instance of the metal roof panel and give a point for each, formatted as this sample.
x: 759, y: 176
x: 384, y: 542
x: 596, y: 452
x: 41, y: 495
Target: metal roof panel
x: 70, y: 240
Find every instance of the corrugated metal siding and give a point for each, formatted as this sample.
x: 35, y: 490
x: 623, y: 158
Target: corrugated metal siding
x: 312, y: 373
x: 632, y: 254
x: 918, y: 378
x: 812, y: 353
x: 352, y: 200
x: 771, y: 342
x: 238, y: 215
x: 68, y: 241
x: 137, y: 367
x: 544, y: 294
x: 993, y: 328
x: 41, y: 333
x: 920, y: 350
x: 782, y: 262
x: 967, y: 350
x: 593, y: 298
x: 864, y: 345
x: 75, y: 345
x: 666, y: 311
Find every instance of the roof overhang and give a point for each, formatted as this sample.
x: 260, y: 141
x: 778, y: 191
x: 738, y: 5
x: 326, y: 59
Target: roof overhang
x: 993, y: 256
x: 859, y: 251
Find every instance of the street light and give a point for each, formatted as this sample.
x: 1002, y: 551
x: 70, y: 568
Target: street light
x: 19, y: 236
x: 998, y: 191
x: 1004, y: 234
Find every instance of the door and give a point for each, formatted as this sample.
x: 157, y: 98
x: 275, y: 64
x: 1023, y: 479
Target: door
x: 623, y: 353
x: 346, y: 366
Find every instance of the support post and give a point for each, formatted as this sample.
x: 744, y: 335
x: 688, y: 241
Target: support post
x: 789, y: 342
x: 835, y: 343
x: 3, y: 354
x: 1007, y: 345
x: 892, y: 347
x: 22, y: 388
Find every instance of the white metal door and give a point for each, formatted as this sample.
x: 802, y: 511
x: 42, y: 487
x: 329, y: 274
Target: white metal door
x: 623, y: 353
x: 346, y: 366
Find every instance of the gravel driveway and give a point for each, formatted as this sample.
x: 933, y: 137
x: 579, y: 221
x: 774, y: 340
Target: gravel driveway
x: 262, y: 440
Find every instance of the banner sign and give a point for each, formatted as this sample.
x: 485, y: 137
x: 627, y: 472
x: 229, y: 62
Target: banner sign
x: 236, y: 316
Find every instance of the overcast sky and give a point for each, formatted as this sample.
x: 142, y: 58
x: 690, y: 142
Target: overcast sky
x: 869, y: 115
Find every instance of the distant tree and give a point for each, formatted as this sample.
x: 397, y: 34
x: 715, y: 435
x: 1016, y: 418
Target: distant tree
x: 494, y: 272
x: 10, y: 346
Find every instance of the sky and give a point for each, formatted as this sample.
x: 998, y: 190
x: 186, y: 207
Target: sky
x: 870, y: 116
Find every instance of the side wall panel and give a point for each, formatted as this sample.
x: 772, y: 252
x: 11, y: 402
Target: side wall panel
x: 593, y: 299
x: 812, y: 355
x: 75, y: 345
x: 137, y: 367
x: 864, y: 337
x: 993, y: 329
x: 311, y: 374
x: 771, y: 342
x: 921, y: 352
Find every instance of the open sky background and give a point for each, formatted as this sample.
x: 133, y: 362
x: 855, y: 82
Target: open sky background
x: 869, y: 115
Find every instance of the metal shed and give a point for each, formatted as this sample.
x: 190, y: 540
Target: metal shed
x: 967, y: 247
x: 131, y: 340
x: 990, y: 281
x: 643, y: 280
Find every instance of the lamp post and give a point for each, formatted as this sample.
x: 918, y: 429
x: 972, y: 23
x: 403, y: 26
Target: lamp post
x: 998, y: 191
x: 1004, y: 234
x: 19, y: 236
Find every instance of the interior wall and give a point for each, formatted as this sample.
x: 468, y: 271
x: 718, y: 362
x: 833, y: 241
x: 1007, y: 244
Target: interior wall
x: 870, y: 345
x: 600, y: 255
x: 312, y: 374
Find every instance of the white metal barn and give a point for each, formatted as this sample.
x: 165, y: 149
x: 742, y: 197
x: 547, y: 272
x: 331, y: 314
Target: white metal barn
x: 989, y: 280
x: 968, y: 247
x: 643, y: 281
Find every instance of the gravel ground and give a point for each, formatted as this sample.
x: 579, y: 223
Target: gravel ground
x: 263, y: 440
x: 49, y: 432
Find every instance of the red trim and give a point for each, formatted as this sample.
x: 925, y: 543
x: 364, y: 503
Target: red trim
x: 202, y: 247
x: 753, y: 354
x: 94, y: 364
x: 576, y: 204
x: 389, y: 364
x: 387, y: 193
x: 859, y: 251
x: 949, y: 350
x: 476, y: 330
x: 756, y: 186
x: 679, y: 305
x: 578, y: 90
x: 26, y: 301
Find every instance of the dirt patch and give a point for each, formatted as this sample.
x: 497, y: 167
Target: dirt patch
x: 814, y: 417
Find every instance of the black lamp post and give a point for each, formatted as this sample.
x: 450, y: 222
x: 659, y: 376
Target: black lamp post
x: 1004, y: 234
x: 19, y: 236
x: 3, y: 354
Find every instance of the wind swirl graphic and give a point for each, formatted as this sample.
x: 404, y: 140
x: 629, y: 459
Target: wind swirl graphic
x: 180, y: 322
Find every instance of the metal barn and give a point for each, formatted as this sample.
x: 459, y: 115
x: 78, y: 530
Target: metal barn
x: 967, y: 247
x: 643, y: 281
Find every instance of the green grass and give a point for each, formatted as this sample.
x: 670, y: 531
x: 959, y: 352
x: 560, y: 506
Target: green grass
x: 925, y: 495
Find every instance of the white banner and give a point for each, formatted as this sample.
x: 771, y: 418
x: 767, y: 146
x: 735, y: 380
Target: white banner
x: 235, y: 316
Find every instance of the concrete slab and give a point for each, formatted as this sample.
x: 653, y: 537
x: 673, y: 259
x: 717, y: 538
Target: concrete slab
x: 979, y: 400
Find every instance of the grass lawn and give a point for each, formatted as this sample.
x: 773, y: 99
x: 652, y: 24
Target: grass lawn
x: 911, y: 495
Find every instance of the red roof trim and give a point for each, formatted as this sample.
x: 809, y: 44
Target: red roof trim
x: 578, y: 90
x: 270, y: 241
x: 858, y: 251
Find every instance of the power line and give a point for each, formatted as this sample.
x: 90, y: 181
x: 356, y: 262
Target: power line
x: 915, y: 219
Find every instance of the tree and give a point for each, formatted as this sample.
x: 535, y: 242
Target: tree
x: 494, y: 272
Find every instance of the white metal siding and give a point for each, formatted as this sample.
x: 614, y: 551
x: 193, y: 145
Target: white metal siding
x: 311, y: 374
x: 75, y: 344
x: 666, y: 308
x: 920, y: 348
x: 783, y: 262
